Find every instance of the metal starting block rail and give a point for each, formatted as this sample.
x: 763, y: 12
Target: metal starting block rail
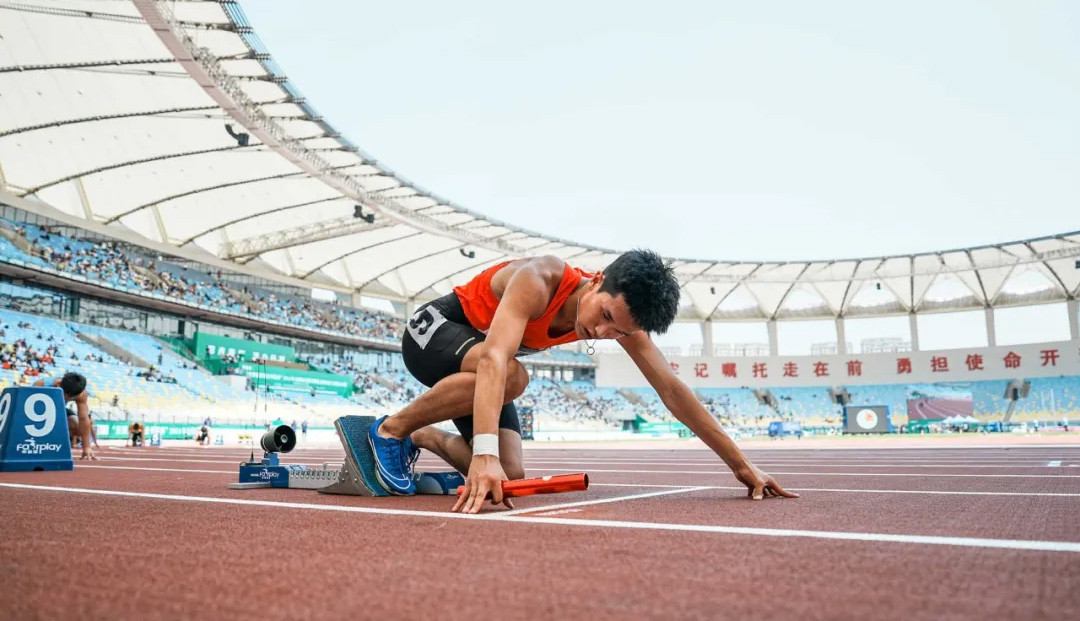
x: 355, y: 477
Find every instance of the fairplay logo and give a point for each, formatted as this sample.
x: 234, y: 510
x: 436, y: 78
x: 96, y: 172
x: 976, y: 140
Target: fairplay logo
x: 31, y: 447
x: 266, y: 473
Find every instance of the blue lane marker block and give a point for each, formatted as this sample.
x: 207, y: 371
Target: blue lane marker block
x: 358, y: 474
x: 34, y: 430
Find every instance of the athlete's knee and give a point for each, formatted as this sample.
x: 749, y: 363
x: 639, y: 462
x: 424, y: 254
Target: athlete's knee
x: 514, y: 470
x: 517, y: 379
x: 425, y: 437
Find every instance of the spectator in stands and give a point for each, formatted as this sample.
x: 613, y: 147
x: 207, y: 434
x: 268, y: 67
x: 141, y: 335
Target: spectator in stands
x: 464, y: 344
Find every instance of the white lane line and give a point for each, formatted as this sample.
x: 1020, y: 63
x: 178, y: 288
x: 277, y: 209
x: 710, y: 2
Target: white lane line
x: 718, y: 487
x: 1053, y: 464
x: 832, y: 474
x: 81, y: 466
x: 291, y: 461
x: 713, y: 472
x: 602, y: 501
x: 787, y: 449
x: 970, y: 542
x: 765, y: 462
x: 530, y: 463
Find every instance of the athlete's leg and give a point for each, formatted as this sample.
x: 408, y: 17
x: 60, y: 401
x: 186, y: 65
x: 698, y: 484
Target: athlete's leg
x: 454, y: 450
x: 450, y: 447
x: 452, y: 397
x: 510, y: 454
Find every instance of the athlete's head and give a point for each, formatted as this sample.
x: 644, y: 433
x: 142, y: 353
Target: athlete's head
x: 638, y: 291
x: 73, y: 384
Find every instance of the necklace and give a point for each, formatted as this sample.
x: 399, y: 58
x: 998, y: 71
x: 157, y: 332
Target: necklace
x: 590, y: 348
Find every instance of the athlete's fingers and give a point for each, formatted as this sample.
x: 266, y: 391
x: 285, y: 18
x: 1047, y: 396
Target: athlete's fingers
x: 460, y: 501
x: 471, y: 498
x: 478, y: 498
x: 463, y: 497
x: 781, y: 491
x: 759, y: 491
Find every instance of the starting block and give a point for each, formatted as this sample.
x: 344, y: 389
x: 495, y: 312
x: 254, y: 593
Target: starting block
x: 355, y: 477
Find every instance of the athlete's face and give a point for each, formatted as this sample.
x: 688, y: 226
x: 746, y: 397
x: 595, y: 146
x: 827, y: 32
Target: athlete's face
x: 601, y: 316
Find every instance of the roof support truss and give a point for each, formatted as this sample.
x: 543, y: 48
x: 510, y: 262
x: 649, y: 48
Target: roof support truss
x: 103, y: 117
x: 358, y: 251
x: 145, y: 160
x: 211, y: 188
x: 225, y: 225
x: 309, y: 233
x: 86, y: 65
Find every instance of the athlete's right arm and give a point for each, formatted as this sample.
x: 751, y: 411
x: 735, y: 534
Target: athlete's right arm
x: 525, y: 296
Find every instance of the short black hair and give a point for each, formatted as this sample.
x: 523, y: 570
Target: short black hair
x: 649, y: 286
x: 73, y: 384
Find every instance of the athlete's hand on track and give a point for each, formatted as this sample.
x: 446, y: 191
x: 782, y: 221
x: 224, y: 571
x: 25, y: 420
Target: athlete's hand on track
x: 759, y: 484
x: 485, y: 476
x: 87, y: 454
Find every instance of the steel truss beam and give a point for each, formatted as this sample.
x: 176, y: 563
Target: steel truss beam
x: 306, y: 234
x: 103, y: 117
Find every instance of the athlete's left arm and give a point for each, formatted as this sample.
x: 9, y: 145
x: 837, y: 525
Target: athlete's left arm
x: 82, y: 408
x: 684, y: 406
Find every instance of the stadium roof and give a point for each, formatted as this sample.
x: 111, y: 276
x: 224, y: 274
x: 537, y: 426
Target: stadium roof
x: 171, y: 120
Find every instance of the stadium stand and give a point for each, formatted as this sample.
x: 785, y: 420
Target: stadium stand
x: 130, y: 271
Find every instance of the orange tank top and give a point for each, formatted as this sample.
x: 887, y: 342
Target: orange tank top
x: 479, y: 304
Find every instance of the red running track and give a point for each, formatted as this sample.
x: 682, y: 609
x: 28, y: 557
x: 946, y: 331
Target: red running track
x: 965, y: 533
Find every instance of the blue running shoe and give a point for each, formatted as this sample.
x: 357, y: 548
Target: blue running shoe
x: 412, y: 454
x: 391, y: 466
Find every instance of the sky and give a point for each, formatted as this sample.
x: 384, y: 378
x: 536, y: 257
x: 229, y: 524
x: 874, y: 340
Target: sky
x: 715, y: 130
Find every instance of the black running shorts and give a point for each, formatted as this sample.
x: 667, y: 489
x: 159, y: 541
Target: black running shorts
x: 437, y: 337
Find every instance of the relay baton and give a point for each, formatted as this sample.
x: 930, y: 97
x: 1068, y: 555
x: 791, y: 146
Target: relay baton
x: 544, y: 485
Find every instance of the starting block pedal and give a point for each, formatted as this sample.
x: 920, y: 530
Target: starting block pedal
x: 358, y: 473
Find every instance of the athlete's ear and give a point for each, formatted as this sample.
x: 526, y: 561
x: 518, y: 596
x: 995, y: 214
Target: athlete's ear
x: 598, y: 279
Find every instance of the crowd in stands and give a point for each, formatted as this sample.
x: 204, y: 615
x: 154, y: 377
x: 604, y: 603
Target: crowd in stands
x: 125, y: 269
x: 154, y: 374
x: 18, y: 355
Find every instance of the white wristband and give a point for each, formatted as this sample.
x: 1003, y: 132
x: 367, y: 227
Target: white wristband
x: 485, y: 444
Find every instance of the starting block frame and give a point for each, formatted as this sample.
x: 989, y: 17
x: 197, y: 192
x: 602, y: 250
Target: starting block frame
x: 355, y: 477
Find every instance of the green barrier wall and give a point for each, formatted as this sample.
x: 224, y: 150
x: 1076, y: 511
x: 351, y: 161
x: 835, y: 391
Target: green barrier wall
x: 277, y: 378
x: 118, y: 430
x: 213, y: 346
